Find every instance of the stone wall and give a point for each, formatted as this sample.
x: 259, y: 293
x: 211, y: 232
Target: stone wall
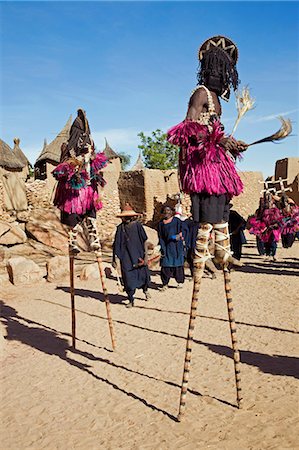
x: 38, y: 194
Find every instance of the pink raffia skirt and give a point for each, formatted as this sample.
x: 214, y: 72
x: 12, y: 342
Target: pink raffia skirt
x: 77, y: 201
x: 205, y: 167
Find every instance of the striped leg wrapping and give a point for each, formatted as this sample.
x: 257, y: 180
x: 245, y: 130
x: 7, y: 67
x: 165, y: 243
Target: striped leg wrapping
x: 222, y: 245
x: 233, y: 331
x: 201, y: 254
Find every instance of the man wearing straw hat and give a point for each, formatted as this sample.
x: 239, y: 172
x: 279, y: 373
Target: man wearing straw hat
x: 130, y: 247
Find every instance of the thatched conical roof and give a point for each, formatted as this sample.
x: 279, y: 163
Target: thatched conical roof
x: 138, y: 164
x: 19, y: 153
x: 109, y: 152
x: 51, y: 152
x: 8, y: 159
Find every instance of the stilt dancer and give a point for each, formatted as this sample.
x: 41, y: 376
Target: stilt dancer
x: 208, y: 174
x: 79, y: 179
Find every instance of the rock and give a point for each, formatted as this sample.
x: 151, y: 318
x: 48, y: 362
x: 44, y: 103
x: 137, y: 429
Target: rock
x: 23, y: 271
x: 4, y: 279
x: 152, y: 235
x: 15, y: 235
x: 44, y: 226
x: 58, y: 268
x: 23, y: 216
x: 4, y: 227
x: 90, y: 272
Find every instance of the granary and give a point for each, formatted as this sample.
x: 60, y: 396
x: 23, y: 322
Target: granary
x: 9, y: 161
x: 12, y: 185
x: 50, y: 154
x: 22, y: 158
x: 138, y: 164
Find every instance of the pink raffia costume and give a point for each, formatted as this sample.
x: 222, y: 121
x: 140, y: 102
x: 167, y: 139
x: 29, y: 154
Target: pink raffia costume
x: 204, y: 165
x: 271, y: 222
x: 79, y: 180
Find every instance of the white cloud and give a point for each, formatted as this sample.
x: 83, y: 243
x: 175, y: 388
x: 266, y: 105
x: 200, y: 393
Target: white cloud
x: 120, y: 139
x: 271, y: 116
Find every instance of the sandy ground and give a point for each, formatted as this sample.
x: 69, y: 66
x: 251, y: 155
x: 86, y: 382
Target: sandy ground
x: 92, y: 398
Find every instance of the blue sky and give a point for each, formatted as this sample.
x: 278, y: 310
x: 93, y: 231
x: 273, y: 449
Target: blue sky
x: 132, y: 66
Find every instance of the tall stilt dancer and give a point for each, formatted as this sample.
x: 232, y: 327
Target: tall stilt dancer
x: 77, y: 196
x: 208, y: 174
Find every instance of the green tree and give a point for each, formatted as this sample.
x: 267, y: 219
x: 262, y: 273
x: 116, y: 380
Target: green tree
x: 125, y: 159
x: 157, y: 152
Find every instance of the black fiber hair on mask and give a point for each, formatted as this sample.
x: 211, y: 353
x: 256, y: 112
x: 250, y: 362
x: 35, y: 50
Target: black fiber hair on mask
x: 217, y: 71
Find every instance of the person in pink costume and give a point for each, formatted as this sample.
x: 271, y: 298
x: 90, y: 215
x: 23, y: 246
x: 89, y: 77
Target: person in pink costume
x: 290, y: 213
x: 267, y: 225
x: 79, y: 179
x: 207, y: 156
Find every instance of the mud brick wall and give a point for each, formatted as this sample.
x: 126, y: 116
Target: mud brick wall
x: 289, y: 168
x: 131, y: 186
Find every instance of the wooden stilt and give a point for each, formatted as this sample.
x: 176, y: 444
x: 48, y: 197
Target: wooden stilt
x: 72, y: 291
x: 233, y: 331
x: 201, y: 254
x: 105, y: 292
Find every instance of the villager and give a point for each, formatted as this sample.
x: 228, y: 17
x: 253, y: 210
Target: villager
x: 172, y: 233
x: 208, y: 173
x: 236, y: 228
x: 130, y: 247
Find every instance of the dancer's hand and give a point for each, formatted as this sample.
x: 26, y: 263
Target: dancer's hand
x: 242, y: 146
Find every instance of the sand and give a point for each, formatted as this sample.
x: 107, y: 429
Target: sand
x: 92, y: 398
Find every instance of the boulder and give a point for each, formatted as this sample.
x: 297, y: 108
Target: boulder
x: 152, y: 235
x: 4, y: 227
x: 23, y: 271
x: 44, y: 226
x: 4, y: 279
x: 58, y: 268
x: 90, y: 272
x: 15, y: 235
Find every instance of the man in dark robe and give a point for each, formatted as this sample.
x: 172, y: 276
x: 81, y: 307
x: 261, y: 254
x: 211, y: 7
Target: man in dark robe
x: 236, y: 228
x: 130, y: 247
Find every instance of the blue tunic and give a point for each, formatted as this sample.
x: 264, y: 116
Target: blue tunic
x: 129, y: 248
x: 173, y: 251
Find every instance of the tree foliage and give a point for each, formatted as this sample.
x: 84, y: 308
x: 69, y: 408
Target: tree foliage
x: 125, y: 159
x: 157, y: 152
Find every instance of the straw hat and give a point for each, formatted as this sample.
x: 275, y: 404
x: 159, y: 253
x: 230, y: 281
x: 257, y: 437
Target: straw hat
x: 222, y: 42
x: 128, y: 211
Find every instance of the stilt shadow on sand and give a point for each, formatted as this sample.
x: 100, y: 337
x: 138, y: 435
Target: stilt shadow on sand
x: 272, y: 364
x: 272, y: 268
x: 113, y: 298
x: 48, y: 341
